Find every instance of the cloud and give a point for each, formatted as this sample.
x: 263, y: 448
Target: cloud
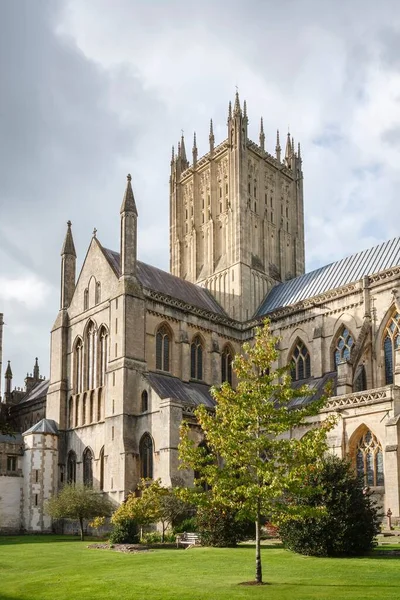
x: 29, y: 291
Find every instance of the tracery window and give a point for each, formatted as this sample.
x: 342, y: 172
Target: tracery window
x: 226, y: 365
x: 300, y: 362
x: 162, y: 348
x: 146, y: 457
x: 90, y: 356
x: 88, y: 467
x: 369, y: 460
x: 102, y: 365
x: 196, y: 358
x: 344, y: 344
x: 391, y: 342
x: 78, y: 360
x: 71, y: 467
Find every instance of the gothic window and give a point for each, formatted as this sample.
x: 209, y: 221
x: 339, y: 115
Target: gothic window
x: 343, y: 347
x: 300, y: 362
x: 196, y: 358
x: 101, y: 478
x: 90, y: 356
x: 360, y: 379
x: 78, y: 366
x: 100, y: 405
x: 77, y: 412
x: 146, y: 457
x: 145, y: 401
x: 71, y: 467
x: 91, y: 407
x: 391, y: 342
x: 88, y: 468
x: 162, y: 348
x: 369, y: 460
x: 102, y: 360
x: 226, y: 365
x: 98, y: 293
x: 86, y: 299
x: 83, y: 420
x: 71, y: 412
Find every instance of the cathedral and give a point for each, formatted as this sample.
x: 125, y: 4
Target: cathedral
x: 134, y: 349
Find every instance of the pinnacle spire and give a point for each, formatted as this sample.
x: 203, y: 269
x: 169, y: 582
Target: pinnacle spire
x: 128, y: 202
x: 245, y: 110
x: 183, y: 149
x: 288, y: 151
x: 8, y: 374
x: 230, y: 111
x: 68, y: 246
x: 211, y: 136
x: 194, y: 149
x: 237, y: 110
x: 262, y: 134
x: 36, y: 369
x: 172, y: 155
x: 298, y: 151
x: 278, y: 146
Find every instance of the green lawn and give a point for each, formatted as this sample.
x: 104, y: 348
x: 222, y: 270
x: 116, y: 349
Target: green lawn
x: 55, y: 568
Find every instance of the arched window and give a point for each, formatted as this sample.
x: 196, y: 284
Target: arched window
x: 102, y: 364
x: 86, y: 299
x: 162, y: 348
x: 78, y: 364
x: 391, y: 341
x: 369, y: 460
x: 100, y: 405
x: 145, y: 401
x: 101, y: 475
x: 71, y: 412
x: 91, y: 407
x: 90, y: 356
x: 300, y: 362
x: 146, y: 457
x: 343, y: 347
x: 71, y: 467
x: 88, y: 467
x: 196, y: 358
x: 226, y: 365
x: 98, y: 293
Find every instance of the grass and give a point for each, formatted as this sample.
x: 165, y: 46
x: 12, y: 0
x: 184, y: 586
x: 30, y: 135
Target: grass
x: 62, y: 568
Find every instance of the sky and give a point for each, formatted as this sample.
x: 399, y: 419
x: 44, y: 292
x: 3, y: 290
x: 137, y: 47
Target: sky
x: 93, y: 90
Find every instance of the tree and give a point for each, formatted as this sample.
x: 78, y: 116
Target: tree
x: 251, y: 464
x: 80, y: 503
x: 156, y: 504
x: 350, y: 521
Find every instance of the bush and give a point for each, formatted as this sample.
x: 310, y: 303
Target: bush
x: 349, y: 523
x: 126, y: 531
x: 219, y: 527
x: 155, y: 537
x: 189, y: 524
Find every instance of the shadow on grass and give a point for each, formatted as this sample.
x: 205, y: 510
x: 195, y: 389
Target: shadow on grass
x: 8, y: 540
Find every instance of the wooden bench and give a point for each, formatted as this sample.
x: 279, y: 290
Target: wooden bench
x: 188, y: 540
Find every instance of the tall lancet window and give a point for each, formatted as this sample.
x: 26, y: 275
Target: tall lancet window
x: 78, y: 366
x: 90, y: 356
x: 300, y: 362
x: 226, y: 365
x: 102, y: 364
x: 162, y: 348
x: 196, y: 358
x: 88, y: 467
x: 146, y: 457
x: 391, y: 341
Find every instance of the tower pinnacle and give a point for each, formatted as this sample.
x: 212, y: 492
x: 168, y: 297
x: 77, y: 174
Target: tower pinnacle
x: 128, y: 201
x: 68, y: 246
x: 211, y: 136
x: 262, y: 135
x: 278, y: 148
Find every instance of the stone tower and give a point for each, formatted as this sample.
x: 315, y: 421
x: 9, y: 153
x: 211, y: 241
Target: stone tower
x: 236, y: 216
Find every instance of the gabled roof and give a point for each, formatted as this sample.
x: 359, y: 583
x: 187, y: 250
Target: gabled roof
x: 37, y: 392
x: 44, y: 426
x: 193, y: 394
x: 343, y: 272
x: 170, y: 285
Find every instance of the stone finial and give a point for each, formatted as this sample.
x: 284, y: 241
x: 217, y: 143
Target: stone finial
x: 194, y: 149
x: 229, y: 111
x: 68, y: 246
x: 278, y: 148
x: 237, y: 111
x: 128, y: 201
x: 211, y: 136
x: 262, y: 135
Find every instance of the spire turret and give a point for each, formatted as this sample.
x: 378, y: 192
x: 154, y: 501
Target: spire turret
x: 68, y: 268
x: 36, y: 372
x: 211, y: 137
x: 128, y: 201
x: 288, y: 151
x: 8, y: 385
x: 68, y: 246
x: 262, y: 135
x: 172, y: 156
x: 278, y: 148
x: 194, y: 150
x: 245, y: 118
x: 183, y: 149
x: 237, y: 111
x: 230, y: 111
x: 128, y: 232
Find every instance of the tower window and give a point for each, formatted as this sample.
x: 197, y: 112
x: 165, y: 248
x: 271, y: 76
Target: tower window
x: 300, y: 362
x: 11, y: 463
x: 146, y: 457
x: 226, y: 365
x: 196, y: 358
x: 162, y: 348
x: 390, y: 344
x: 145, y: 401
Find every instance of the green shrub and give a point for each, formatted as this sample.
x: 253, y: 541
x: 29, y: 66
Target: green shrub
x: 349, y: 523
x: 155, y: 537
x: 189, y: 524
x: 125, y: 532
x: 219, y: 527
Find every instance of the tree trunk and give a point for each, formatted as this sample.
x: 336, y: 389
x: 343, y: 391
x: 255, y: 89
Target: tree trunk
x: 163, y: 532
x: 258, y: 546
x: 81, y: 526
